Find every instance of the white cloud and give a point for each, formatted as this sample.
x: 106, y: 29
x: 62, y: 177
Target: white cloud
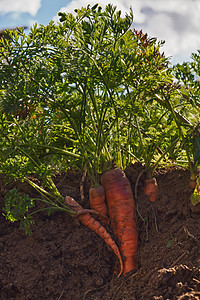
x: 176, y: 22
x: 20, y: 6
x: 121, y: 5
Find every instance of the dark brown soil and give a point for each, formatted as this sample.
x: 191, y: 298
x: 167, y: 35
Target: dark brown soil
x: 63, y: 259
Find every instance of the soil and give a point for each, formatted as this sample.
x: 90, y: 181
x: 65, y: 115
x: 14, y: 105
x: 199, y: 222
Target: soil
x: 63, y: 259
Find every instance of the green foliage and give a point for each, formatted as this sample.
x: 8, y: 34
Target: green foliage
x: 195, y: 197
x: 188, y: 75
x: 91, y: 91
x: 196, y: 142
x: 16, y: 208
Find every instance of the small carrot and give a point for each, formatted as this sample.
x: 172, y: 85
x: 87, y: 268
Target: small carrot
x: 151, y: 189
x: 98, y: 202
x: 121, y: 211
x: 96, y: 226
x: 192, y: 183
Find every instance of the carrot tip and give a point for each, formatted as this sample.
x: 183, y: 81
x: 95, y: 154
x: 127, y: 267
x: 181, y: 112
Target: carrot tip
x: 119, y: 274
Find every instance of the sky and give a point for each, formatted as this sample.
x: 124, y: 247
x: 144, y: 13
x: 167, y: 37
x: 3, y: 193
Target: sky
x: 177, y: 22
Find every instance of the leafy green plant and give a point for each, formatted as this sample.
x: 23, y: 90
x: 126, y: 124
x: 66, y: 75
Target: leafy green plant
x: 88, y: 92
x: 187, y: 75
x: 17, y: 207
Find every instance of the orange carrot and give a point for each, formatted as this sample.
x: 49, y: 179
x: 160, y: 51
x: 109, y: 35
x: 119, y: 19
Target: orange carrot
x: 121, y: 211
x: 192, y: 183
x: 96, y: 226
x: 151, y: 189
x: 97, y: 202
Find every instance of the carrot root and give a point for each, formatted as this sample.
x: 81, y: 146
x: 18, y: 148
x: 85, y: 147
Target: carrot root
x: 121, y: 211
x: 193, y: 183
x: 92, y: 211
x: 151, y: 189
x: 96, y: 226
x: 98, y: 203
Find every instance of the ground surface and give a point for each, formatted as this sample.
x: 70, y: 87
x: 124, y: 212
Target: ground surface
x: 62, y: 259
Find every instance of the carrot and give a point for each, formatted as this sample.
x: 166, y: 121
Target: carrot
x: 192, y: 183
x: 84, y: 211
x: 121, y: 211
x: 96, y: 226
x: 97, y: 202
x: 151, y: 189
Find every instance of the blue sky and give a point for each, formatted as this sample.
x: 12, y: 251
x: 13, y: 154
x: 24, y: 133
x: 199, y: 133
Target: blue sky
x: 175, y: 21
x: 29, y: 12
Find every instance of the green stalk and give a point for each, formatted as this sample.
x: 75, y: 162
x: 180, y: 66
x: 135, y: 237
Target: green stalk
x: 94, y: 103
x: 175, y: 113
x: 29, y: 156
x: 134, y: 156
x: 141, y: 143
x: 100, y: 129
x: 59, y: 150
x: 145, y: 134
x: 53, y: 207
x: 48, y: 181
x: 56, y: 196
x: 42, y: 191
x: 101, y: 151
x: 112, y: 100
x: 127, y: 155
x: 81, y: 141
x: 192, y: 171
x: 163, y: 155
x: 151, y: 170
x: 25, y: 138
x: 51, y: 185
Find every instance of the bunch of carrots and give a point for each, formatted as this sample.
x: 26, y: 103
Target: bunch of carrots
x: 112, y: 198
